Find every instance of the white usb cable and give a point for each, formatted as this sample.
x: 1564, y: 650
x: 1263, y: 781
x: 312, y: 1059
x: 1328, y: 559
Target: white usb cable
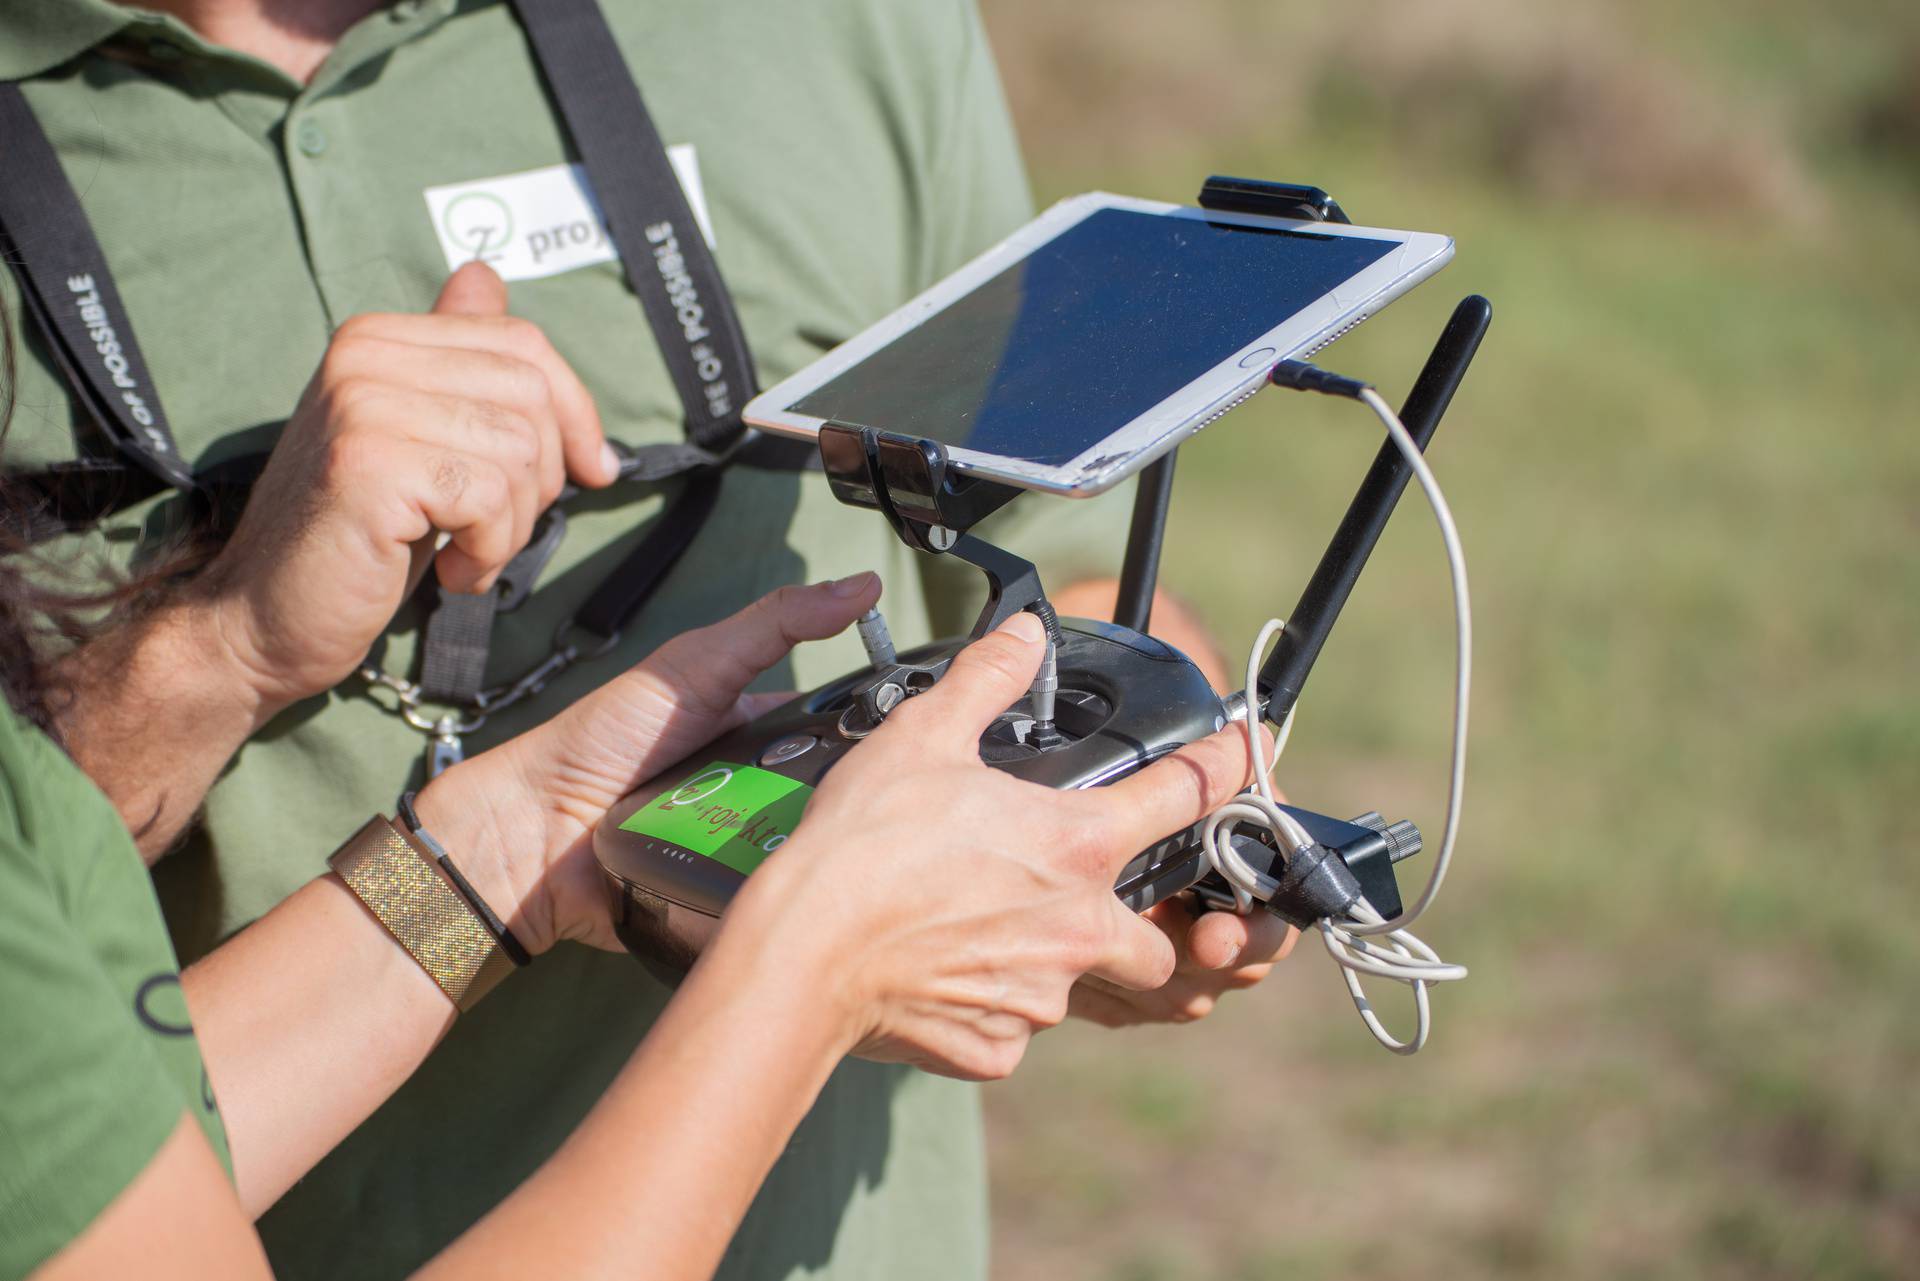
x: 1362, y: 942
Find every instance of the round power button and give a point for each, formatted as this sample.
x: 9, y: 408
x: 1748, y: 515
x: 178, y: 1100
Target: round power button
x: 788, y: 748
x: 1261, y: 356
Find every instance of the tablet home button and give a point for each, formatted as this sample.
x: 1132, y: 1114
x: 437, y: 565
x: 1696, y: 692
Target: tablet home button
x: 1264, y: 356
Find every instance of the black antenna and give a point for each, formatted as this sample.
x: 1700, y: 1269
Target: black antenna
x: 1140, y: 571
x: 1311, y: 622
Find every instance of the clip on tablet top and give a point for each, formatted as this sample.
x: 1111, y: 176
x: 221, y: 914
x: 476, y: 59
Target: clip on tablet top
x: 1270, y: 199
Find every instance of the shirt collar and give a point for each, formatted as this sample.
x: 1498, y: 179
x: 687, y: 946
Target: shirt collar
x: 38, y: 35
x: 41, y: 34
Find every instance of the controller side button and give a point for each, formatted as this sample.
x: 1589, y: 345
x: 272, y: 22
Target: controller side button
x: 787, y: 749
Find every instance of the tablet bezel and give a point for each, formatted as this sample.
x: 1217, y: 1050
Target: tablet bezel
x: 1164, y: 425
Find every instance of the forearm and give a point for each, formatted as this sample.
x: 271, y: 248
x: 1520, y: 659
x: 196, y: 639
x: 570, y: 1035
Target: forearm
x: 157, y: 711
x: 658, y: 1177
x: 314, y: 1015
x: 308, y: 1020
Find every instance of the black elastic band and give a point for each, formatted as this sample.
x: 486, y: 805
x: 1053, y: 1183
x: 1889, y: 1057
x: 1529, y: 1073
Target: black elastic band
x: 495, y: 926
x: 670, y: 268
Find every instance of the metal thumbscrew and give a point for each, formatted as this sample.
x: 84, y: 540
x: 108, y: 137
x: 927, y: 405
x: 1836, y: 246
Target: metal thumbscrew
x: 1403, y: 838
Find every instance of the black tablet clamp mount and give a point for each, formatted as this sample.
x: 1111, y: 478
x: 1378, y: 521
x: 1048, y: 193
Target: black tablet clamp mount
x: 1109, y: 700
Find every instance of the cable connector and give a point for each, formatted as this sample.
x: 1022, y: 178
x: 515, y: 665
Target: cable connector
x: 1316, y: 883
x: 1302, y: 375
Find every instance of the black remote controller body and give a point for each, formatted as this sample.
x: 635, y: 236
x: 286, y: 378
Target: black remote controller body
x: 675, y: 852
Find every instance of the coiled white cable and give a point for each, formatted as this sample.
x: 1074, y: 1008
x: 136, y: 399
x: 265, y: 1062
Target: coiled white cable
x: 1362, y: 942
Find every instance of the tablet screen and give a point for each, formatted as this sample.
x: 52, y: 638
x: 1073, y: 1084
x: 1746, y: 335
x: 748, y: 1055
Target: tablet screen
x: 1091, y: 330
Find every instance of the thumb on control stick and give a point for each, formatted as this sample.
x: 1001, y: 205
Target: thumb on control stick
x: 984, y: 680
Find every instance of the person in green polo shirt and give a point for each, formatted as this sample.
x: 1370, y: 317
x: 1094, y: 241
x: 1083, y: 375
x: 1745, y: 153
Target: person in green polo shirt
x: 256, y: 185
x: 116, y: 1161
x: 101, y: 1065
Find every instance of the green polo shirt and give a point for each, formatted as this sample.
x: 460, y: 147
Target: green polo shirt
x: 99, y: 1060
x: 849, y: 152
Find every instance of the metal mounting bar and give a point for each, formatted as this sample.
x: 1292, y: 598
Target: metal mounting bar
x: 1140, y: 571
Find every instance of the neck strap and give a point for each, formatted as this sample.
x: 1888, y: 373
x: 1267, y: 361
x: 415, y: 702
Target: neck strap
x: 70, y: 292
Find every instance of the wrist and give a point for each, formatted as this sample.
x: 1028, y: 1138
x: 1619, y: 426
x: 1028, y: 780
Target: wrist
x: 494, y: 848
x: 214, y: 623
x: 165, y: 672
x: 777, y: 941
x: 155, y: 715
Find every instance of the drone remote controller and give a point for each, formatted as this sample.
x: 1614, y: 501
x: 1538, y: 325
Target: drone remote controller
x: 1108, y: 701
x: 675, y: 854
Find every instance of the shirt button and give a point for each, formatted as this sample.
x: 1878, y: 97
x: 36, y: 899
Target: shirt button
x: 406, y: 10
x: 310, y: 137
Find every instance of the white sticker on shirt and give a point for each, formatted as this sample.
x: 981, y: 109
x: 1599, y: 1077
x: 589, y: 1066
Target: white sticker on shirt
x: 541, y: 222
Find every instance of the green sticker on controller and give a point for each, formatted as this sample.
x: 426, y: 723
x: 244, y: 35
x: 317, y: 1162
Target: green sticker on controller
x: 734, y: 814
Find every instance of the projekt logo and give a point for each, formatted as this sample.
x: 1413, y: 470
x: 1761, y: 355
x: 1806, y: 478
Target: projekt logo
x: 538, y: 223
x: 480, y: 223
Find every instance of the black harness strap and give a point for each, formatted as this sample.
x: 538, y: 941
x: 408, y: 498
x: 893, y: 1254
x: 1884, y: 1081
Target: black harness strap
x: 46, y: 239
x: 666, y: 259
x: 672, y: 271
x: 621, y: 594
x: 455, y: 643
x: 69, y: 290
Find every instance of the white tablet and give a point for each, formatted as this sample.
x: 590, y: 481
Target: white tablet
x: 1100, y: 335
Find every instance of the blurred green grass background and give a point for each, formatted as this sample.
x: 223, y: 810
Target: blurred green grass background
x: 1687, y: 473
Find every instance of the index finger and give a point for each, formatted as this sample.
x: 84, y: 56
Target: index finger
x: 714, y: 664
x: 583, y: 444
x: 1174, y: 792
